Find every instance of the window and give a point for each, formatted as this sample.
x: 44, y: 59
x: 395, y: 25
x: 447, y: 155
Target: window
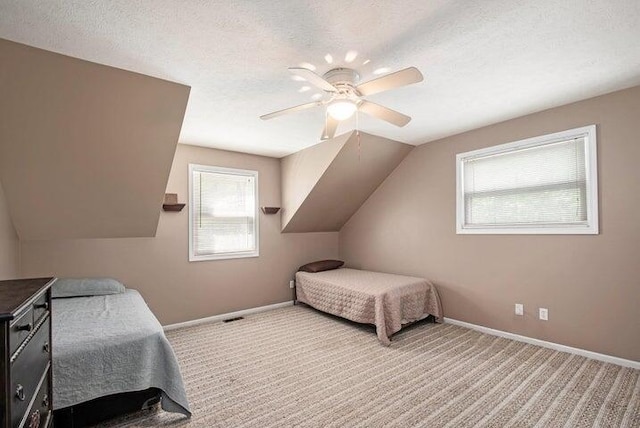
x: 223, y: 207
x: 540, y: 185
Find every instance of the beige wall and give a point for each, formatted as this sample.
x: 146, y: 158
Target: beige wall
x: 333, y: 196
x: 9, y: 249
x: 175, y: 289
x: 85, y: 149
x: 302, y: 170
x: 590, y: 283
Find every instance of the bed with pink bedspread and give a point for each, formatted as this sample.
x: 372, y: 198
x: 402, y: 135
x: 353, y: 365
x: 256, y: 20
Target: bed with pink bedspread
x: 385, y: 300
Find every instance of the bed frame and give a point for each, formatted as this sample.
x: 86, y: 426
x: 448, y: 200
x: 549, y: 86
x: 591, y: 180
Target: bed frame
x: 104, y: 408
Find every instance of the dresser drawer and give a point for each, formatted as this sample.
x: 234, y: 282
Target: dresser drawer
x: 43, y: 402
x: 19, y: 329
x: 40, y: 307
x: 27, y: 371
x: 40, y: 411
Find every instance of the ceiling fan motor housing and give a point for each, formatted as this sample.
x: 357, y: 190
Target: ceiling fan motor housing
x: 344, y: 79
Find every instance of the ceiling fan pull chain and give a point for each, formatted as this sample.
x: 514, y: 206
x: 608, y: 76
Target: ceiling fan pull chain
x: 326, y: 123
x: 358, y: 132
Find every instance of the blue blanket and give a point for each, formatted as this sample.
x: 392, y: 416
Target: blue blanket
x: 105, y: 345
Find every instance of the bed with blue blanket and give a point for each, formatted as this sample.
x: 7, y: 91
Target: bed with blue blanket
x: 106, y: 341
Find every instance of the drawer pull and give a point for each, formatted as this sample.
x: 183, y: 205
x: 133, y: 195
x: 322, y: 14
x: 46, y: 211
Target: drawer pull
x: 45, y: 401
x: 46, y: 347
x: 25, y: 327
x: 44, y: 305
x: 20, y: 392
x: 34, y: 420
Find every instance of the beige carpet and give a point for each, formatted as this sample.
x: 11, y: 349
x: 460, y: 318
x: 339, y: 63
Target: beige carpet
x: 296, y: 367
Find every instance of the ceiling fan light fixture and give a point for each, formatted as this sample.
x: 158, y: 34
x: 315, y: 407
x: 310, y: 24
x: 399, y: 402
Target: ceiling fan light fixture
x: 341, y: 109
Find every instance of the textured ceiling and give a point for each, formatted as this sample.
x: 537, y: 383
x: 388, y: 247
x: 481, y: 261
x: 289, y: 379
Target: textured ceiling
x: 483, y: 61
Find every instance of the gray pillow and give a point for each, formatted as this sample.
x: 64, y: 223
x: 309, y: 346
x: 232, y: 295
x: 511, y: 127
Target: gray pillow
x: 77, y: 287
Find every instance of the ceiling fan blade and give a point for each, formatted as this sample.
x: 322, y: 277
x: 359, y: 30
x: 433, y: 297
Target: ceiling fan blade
x: 330, y: 127
x: 290, y: 110
x: 384, y: 113
x: 313, y: 78
x: 404, y: 77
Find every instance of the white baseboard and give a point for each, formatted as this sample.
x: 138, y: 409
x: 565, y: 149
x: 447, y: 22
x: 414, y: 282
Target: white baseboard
x: 226, y: 316
x: 555, y: 346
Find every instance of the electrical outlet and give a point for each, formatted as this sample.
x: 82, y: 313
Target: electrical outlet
x: 292, y: 283
x: 519, y: 309
x: 544, y: 314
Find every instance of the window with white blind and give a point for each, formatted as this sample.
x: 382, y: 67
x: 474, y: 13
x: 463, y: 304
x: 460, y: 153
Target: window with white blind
x: 223, y: 213
x: 545, y: 185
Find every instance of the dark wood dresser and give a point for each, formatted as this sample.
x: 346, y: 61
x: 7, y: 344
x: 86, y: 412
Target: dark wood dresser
x: 25, y: 353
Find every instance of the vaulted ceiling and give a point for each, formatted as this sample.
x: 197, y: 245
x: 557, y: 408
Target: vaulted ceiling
x: 483, y: 61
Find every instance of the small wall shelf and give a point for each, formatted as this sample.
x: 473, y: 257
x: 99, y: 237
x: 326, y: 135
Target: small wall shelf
x: 171, y: 203
x: 270, y: 210
x: 173, y: 207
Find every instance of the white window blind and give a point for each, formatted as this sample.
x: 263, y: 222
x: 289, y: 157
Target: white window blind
x: 541, y: 185
x: 223, y: 217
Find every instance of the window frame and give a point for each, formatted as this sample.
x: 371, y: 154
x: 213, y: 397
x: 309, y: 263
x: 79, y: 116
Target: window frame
x: 591, y: 176
x: 228, y: 255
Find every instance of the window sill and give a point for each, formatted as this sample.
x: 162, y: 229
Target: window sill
x: 227, y: 256
x: 564, y: 230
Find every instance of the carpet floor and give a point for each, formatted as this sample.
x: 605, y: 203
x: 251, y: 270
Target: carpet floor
x: 296, y: 367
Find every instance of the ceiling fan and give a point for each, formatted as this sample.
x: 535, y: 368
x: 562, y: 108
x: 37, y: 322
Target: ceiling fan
x: 346, y: 95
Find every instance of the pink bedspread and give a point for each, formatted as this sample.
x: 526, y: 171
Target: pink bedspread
x: 382, y: 299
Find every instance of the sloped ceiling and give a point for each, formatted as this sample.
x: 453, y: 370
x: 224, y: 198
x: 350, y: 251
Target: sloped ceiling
x: 85, y: 149
x: 301, y: 171
x: 333, y: 189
